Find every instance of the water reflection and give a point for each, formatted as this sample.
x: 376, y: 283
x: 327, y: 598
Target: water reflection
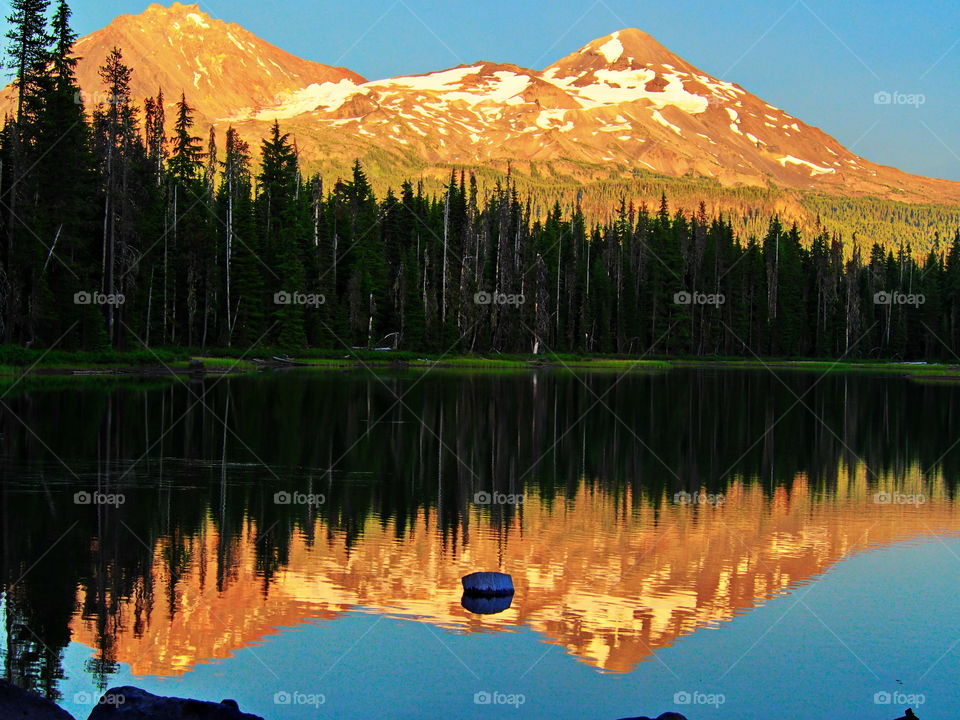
x: 200, y: 559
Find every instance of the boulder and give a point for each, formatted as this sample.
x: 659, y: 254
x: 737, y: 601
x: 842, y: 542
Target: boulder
x: 19, y: 704
x: 486, y: 604
x: 664, y: 716
x: 131, y: 703
x: 487, y: 584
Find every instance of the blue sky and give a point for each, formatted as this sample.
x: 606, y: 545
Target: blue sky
x: 820, y: 60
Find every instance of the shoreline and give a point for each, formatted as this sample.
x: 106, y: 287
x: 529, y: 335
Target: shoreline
x: 203, y: 365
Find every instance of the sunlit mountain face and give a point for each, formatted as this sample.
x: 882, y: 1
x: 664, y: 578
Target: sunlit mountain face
x: 620, y: 106
x: 298, y: 498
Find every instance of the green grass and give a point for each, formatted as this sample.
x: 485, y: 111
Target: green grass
x: 15, y: 361
x: 20, y: 357
x: 932, y: 370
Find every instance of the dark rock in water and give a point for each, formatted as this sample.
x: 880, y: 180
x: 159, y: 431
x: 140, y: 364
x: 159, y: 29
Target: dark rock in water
x: 486, y: 604
x: 908, y: 715
x: 487, y: 584
x: 19, y: 704
x: 664, y: 716
x: 130, y: 703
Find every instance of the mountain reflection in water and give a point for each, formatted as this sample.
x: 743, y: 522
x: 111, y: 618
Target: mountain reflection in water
x: 200, y: 560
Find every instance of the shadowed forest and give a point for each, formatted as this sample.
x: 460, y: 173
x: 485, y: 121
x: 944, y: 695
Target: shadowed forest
x: 124, y: 228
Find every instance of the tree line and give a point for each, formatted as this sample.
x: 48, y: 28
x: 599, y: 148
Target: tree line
x: 124, y: 228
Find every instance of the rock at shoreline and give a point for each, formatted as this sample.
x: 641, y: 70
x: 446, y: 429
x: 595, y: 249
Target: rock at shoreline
x: 130, y: 703
x: 19, y: 704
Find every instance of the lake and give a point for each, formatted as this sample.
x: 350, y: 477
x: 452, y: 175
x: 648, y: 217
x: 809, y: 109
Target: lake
x: 718, y: 542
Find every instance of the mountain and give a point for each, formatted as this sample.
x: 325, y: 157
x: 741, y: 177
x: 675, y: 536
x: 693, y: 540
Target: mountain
x: 621, y: 103
x: 220, y: 66
x: 620, y: 108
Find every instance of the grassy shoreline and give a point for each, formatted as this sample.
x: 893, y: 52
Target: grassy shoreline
x: 18, y: 362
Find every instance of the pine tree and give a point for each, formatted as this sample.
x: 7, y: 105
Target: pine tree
x: 28, y: 54
x: 243, y: 276
x: 280, y: 224
x: 66, y: 191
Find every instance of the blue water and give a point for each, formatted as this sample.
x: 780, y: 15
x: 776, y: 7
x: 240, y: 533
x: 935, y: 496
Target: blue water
x: 886, y: 621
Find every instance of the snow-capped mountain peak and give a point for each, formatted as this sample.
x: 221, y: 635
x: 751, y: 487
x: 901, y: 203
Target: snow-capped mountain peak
x: 620, y: 104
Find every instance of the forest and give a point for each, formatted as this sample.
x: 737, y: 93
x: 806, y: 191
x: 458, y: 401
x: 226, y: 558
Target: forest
x: 121, y: 227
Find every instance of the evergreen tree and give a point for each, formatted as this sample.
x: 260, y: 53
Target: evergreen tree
x: 280, y: 224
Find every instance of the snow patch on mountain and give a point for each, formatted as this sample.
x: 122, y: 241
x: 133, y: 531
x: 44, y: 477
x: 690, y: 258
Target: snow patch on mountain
x: 666, y: 123
x: 324, y: 96
x: 546, y: 118
x: 612, y: 50
x: 814, y: 169
x: 434, y: 82
x: 624, y: 86
x: 734, y: 120
x: 197, y: 19
x: 506, y: 89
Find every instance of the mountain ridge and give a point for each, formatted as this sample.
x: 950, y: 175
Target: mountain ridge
x: 620, y: 106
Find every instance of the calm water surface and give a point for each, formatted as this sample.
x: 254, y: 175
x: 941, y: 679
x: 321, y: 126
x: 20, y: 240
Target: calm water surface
x: 720, y: 543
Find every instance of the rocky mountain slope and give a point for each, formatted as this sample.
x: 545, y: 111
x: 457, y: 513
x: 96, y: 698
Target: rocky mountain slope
x: 220, y: 66
x: 620, y: 107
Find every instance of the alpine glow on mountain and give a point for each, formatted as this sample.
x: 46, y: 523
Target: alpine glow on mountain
x: 623, y: 104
